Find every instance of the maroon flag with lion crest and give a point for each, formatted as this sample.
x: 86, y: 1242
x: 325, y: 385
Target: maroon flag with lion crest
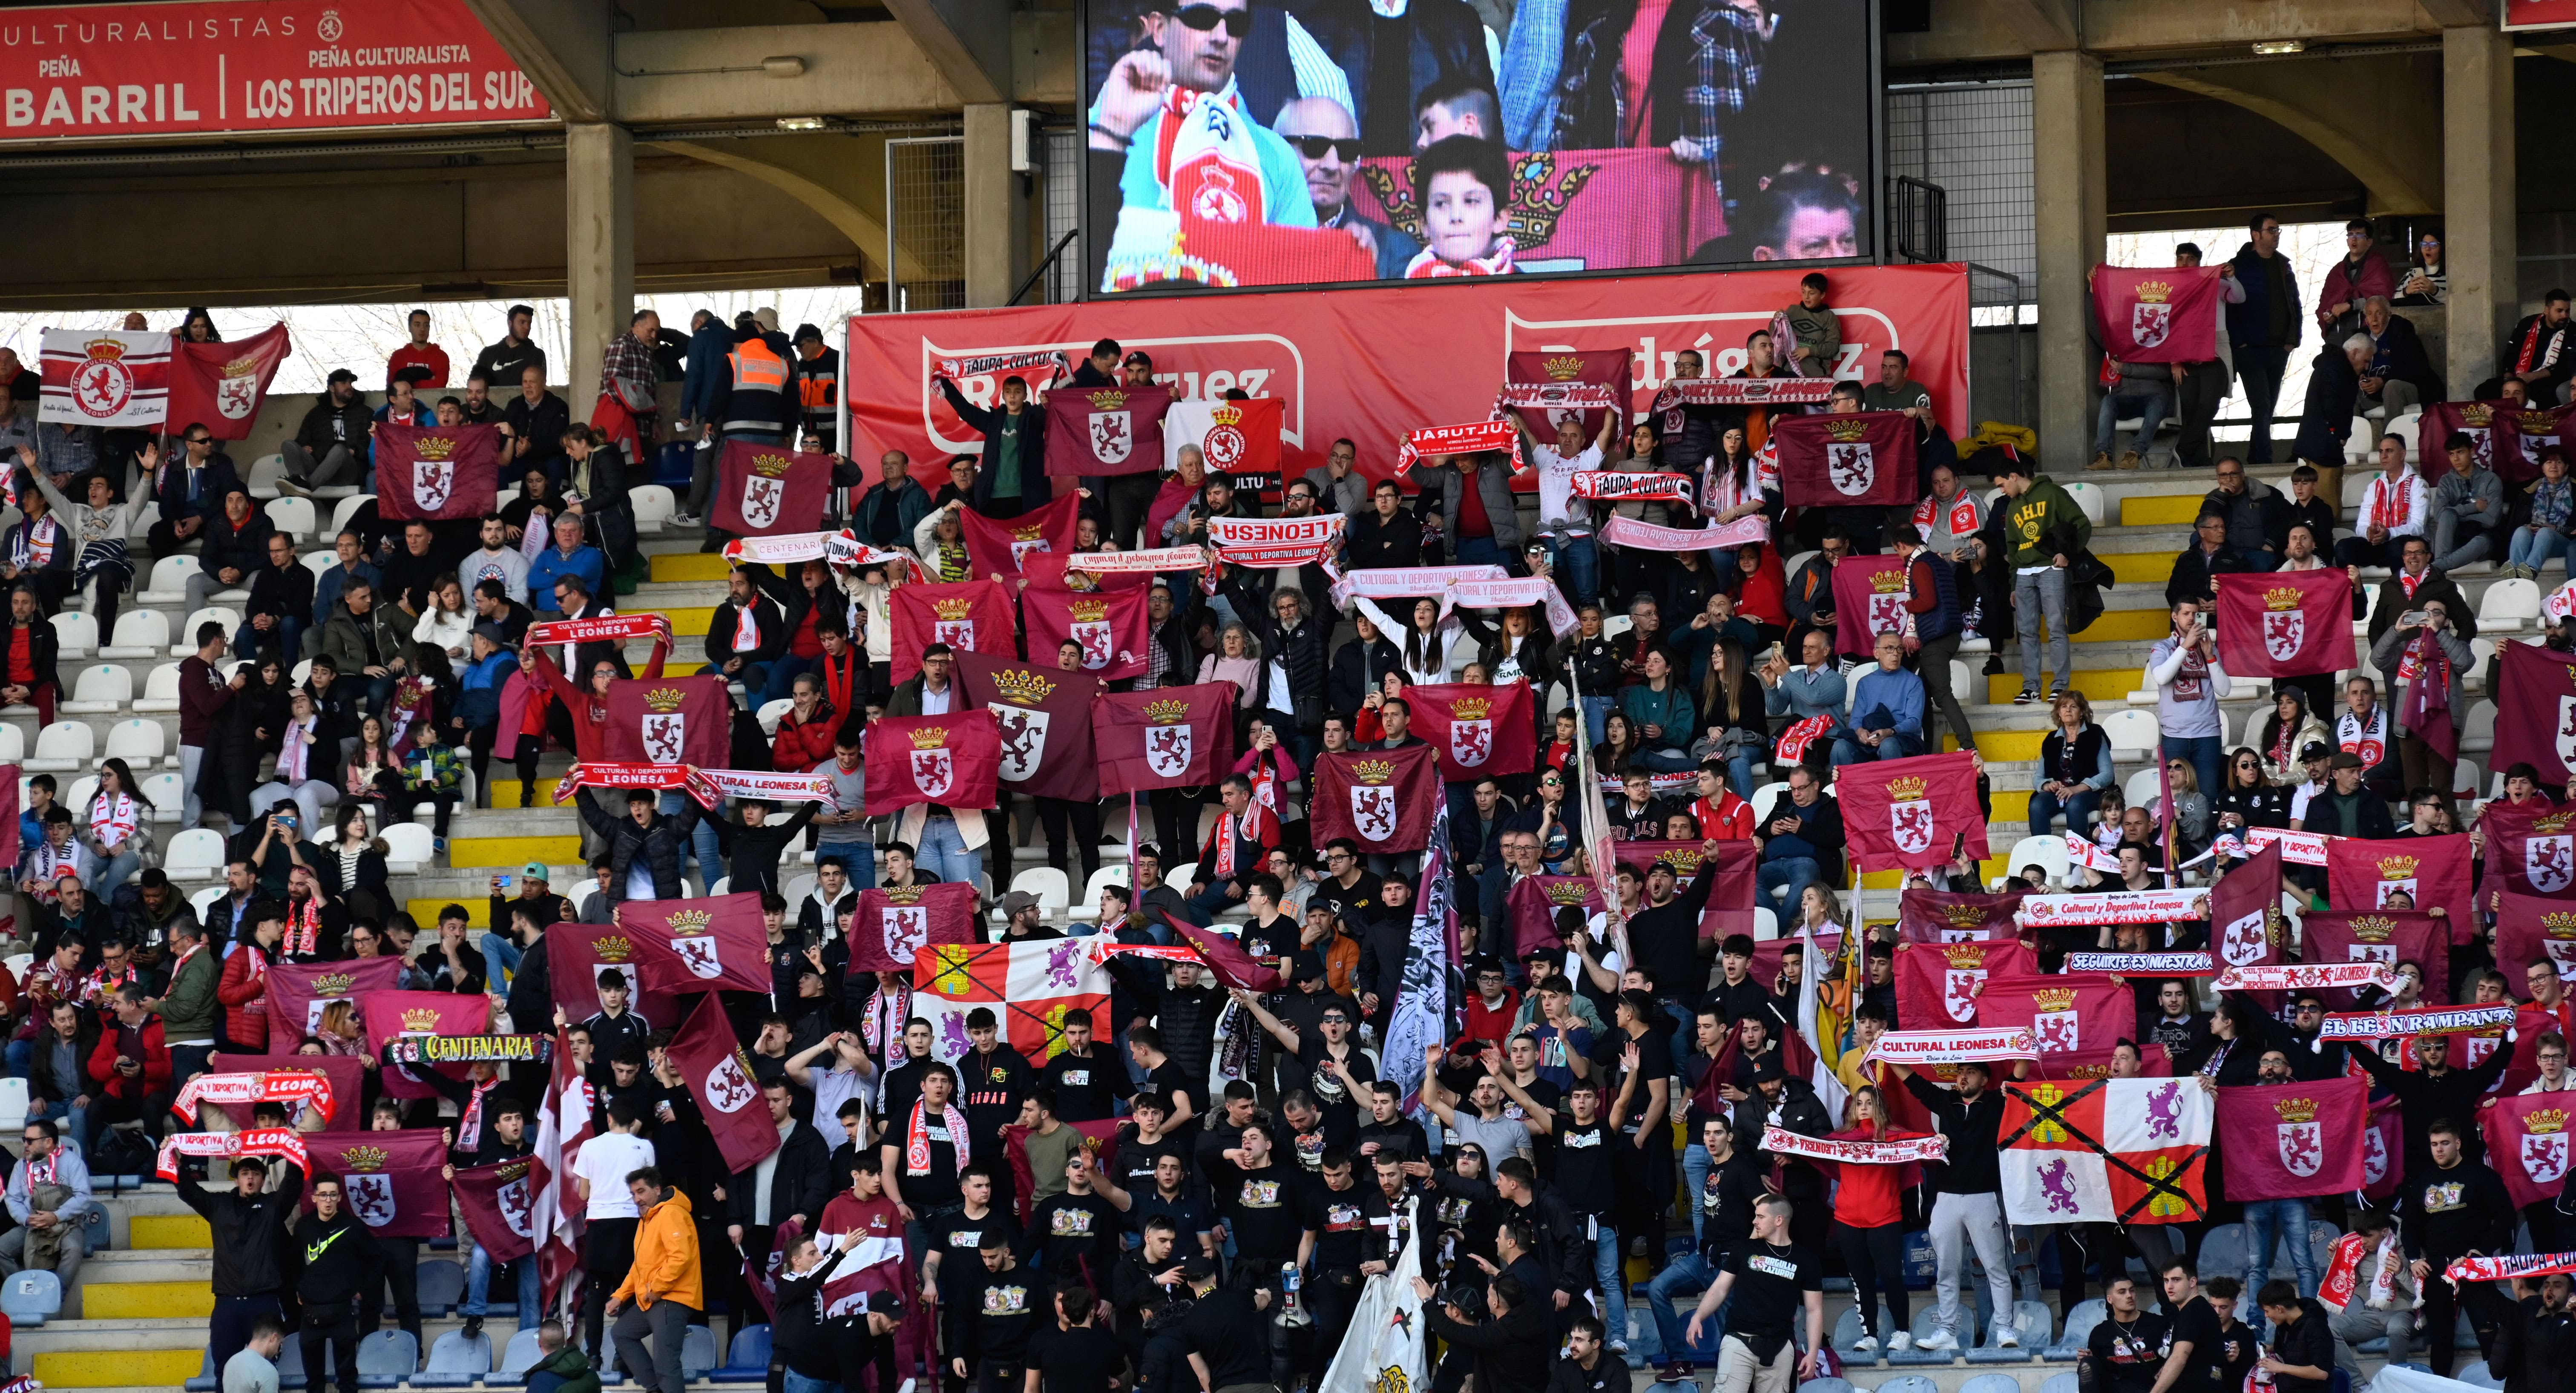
x: 1381, y: 799
x: 949, y: 760
x: 1168, y: 737
x: 1105, y: 430
x: 1045, y: 718
x: 1480, y: 730
x: 2285, y: 623
x: 2294, y: 1141
x: 894, y: 923
x: 1912, y: 813
x: 436, y: 471
x: 766, y: 489
x: 500, y: 1207
x: 710, y: 1061
x: 669, y: 720
x: 714, y: 943
x: 2536, y: 724
x: 1853, y: 460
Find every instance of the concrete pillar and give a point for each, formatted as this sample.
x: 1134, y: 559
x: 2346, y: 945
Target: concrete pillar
x: 599, y: 249
x: 2477, y: 200
x: 997, y: 209
x: 2070, y: 221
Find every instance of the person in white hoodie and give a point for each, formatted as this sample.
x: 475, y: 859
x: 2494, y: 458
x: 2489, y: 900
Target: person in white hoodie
x: 498, y: 560
x: 2183, y: 668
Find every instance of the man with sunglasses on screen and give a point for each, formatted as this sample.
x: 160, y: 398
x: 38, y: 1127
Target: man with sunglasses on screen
x: 1189, y: 58
x: 1327, y: 143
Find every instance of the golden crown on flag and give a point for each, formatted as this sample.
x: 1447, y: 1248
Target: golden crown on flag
x: 692, y: 921
x: 2545, y: 1120
x: 2538, y: 422
x: 2281, y: 597
x: 2551, y: 824
x: 333, y: 984
x: 2558, y: 924
x: 1964, y: 916
x: 1847, y: 428
x: 2477, y: 414
x: 1907, y: 789
x: 512, y: 1172
x: 2154, y: 292
x: 1887, y: 582
x: 433, y: 447
x: 1166, y: 713
x: 1023, y: 687
x: 242, y: 366
x: 2371, y: 928
x: 1566, y: 892
x: 2398, y: 867
x: 770, y: 466
x: 110, y: 349
x: 1373, y: 771
x: 1684, y: 863
x: 1470, y: 708
x: 666, y: 699
x: 1227, y: 415
x: 2296, y: 1109
x: 1964, y: 956
x: 2083, y: 1071
x: 613, y: 949
x: 903, y: 894
x: 930, y: 738
x: 420, y: 1020
x: 1090, y: 611
x: 953, y: 609
x: 1564, y: 367
x: 1108, y: 401
x: 365, y: 1158
x: 2054, y: 998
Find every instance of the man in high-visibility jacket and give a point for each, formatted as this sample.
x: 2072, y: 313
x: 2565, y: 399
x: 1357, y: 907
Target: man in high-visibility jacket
x: 752, y: 402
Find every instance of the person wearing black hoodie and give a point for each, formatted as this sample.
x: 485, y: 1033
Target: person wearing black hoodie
x: 2536, y: 1346
x: 250, y: 1237
x: 1513, y: 1349
x: 339, y: 1263
x: 2434, y: 1093
x: 2452, y: 1206
x: 798, y: 1340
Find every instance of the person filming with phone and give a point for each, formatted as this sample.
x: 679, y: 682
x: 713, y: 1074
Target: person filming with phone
x: 2426, y: 661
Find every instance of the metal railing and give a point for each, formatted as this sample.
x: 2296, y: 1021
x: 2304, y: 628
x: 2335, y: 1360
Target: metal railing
x: 1918, y: 219
x: 1992, y: 289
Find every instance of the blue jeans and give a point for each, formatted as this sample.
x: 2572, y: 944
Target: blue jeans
x: 1781, y: 880
x: 1596, y: 714
x: 1606, y: 1270
x: 2207, y: 753
x: 478, y: 1284
x: 500, y: 950
x: 2270, y: 1223
x: 289, y: 634
x: 1695, y: 1168
x: 71, y: 1118
x: 943, y: 850
x: 1688, y: 1272
x: 1212, y: 901
x: 702, y: 841
x: 1477, y: 551
x: 1739, y: 771
x: 783, y: 672
x: 1666, y: 761
x: 798, y: 1383
x: 18, y: 1054
x: 2078, y: 808
x: 859, y: 859
x: 1849, y: 750
x: 2148, y: 405
x: 1579, y: 560
x: 2535, y: 546
x: 113, y: 872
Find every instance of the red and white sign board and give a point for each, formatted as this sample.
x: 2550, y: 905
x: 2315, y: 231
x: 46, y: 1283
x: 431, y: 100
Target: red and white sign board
x: 1373, y: 363
x: 2539, y: 14
x: 104, y: 72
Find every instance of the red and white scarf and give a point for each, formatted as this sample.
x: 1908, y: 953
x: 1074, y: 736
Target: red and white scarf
x: 2408, y: 581
x: 1793, y: 742
x: 746, y: 629
x: 282, y: 1142
x: 1428, y: 265
x: 469, y: 1127
x: 239, y: 1090
x: 882, y: 1022
x: 916, y: 1137
x: 113, y: 818
x: 2501, y: 1269
x: 1229, y: 828
x: 258, y: 960
x: 2392, y: 501
x: 1963, y: 515
x: 35, y: 542
x: 1205, y: 158
x: 295, y: 753
x: 303, y: 926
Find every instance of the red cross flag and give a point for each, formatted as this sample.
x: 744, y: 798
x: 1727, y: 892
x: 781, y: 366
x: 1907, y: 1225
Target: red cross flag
x: 392, y: 1179
x: 1937, y: 983
x: 712, y: 1063
x: 1869, y: 600
x: 2294, y: 1141
x: 713, y: 943
x: 2536, y: 723
x: 393, y: 1015
x: 669, y: 720
x: 2528, y: 1138
x: 2113, y: 1151
x: 1167, y: 737
x: 766, y: 489
x: 1479, y: 731
x: 1852, y: 460
x: 1381, y: 799
x: 1031, y: 988
x: 2285, y: 623
x: 2162, y: 314
x: 2433, y: 871
x: 973, y: 616
x: 950, y: 760
x: 436, y: 471
x: 1105, y: 430
x: 894, y: 923
x: 1912, y: 813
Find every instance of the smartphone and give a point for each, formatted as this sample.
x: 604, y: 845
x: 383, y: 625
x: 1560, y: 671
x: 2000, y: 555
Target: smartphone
x: 2412, y: 618
x: 505, y: 881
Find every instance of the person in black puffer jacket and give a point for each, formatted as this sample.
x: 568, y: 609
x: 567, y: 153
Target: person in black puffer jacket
x: 1594, y: 662
x: 1358, y: 667
x: 339, y: 1263
x: 1302, y: 643
x: 656, y: 837
x: 249, y: 1241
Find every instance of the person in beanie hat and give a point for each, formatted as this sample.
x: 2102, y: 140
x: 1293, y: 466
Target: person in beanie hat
x: 818, y: 386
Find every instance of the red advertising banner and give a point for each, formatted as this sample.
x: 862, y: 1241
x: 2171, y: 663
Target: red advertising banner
x: 86, y: 73
x: 2539, y: 14
x: 1857, y: 459
x: 1344, y: 362
x: 2285, y: 623
x: 1869, y: 600
x: 220, y: 385
x: 436, y: 471
x: 894, y: 923
x: 2160, y: 314
x: 1481, y: 731
x: 762, y: 490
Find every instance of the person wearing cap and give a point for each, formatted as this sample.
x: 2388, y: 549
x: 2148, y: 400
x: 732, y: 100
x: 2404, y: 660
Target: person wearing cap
x: 818, y: 385
x: 502, y: 361
x: 1024, y: 919
x: 2347, y: 809
x: 543, y: 905
x: 325, y: 448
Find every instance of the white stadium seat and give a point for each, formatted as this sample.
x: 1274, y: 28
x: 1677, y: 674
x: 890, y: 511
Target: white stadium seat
x: 160, y: 685
x: 61, y: 748
x: 346, y: 509
x: 186, y: 641
x: 144, y: 633
x: 168, y: 583
x: 294, y: 517
x: 75, y: 634
x: 101, y: 688
x: 137, y: 742
x: 167, y: 795
x: 196, y: 854
x: 2133, y: 733
x: 653, y: 506
x: 2508, y: 606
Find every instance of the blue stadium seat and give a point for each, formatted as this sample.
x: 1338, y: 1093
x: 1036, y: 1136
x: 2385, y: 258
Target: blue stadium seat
x: 442, y: 1286
x: 29, y: 1298
x: 455, y: 1362
x: 749, y: 1362
x: 2059, y: 1383
x: 386, y: 1358
x: 521, y: 1354
x: 205, y: 1381
x: 1991, y: 1383
x: 2079, y: 1328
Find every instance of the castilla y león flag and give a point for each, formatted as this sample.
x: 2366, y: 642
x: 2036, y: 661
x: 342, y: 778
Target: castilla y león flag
x: 220, y: 385
x: 1379, y: 798
x: 2285, y: 623
x: 392, y: 1179
x: 973, y: 615
x: 2159, y: 314
x: 1031, y: 988
x: 1169, y: 737
x: 1105, y: 430
x: 1943, y: 916
x: 2531, y: 847
x: 1912, y: 813
x: 669, y: 720
x: 1480, y: 731
x: 2536, y: 714
x: 391, y: 1015
x: 1044, y: 715
x: 2532, y: 927
x: 764, y: 489
x: 711, y: 1062
x: 1856, y: 459
x: 2434, y: 871
x: 950, y: 760
x: 1109, y: 626
x: 713, y: 943
x: 2364, y: 935
x: 436, y: 471
x: 2294, y: 1141
x: 500, y: 1206
x: 2528, y: 1137
x: 2113, y: 1151
x: 1543, y: 387
x: 895, y: 922
x: 1869, y: 600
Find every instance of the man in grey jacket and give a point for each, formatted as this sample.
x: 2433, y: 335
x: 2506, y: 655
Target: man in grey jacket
x: 2468, y: 507
x: 49, y: 1195
x: 1498, y: 541
x: 1339, y: 485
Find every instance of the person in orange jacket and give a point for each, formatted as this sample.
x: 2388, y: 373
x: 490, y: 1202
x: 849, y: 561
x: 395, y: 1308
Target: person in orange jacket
x: 663, y: 1289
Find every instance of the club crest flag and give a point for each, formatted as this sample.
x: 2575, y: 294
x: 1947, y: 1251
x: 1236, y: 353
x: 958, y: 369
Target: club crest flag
x: 105, y: 377
x: 1856, y: 459
x: 2285, y: 623
x: 2535, y: 429
x: 1869, y: 600
x: 1730, y: 901
x: 221, y: 385
x: 1105, y: 430
x: 2245, y: 921
x: 2074, y: 1016
x: 2160, y: 314
x: 2528, y: 1137
x: 719, y: 1076
x: 2488, y: 424
x: 669, y: 720
x: 1478, y: 730
x: 2380, y: 936
x: 951, y: 760
x: 298, y: 994
x: 392, y: 1179
x: 2111, y: 1151
x: 2535, y: 716
x: 766, y: 489
x: 1168, y: 737
x: 2532, y: 927
x: 711, y: 943
x: 1239, y: 439
x: 2294, y: 1141
x: 1533, y: 901
x: 1001, y: 546
x: 499, y: 1202
x: 1379, y: 798
x: 1109, y: 626
x: 894, y: 923
x: 1542, y: 386
x: 436, y: 472
x: 2362, y: 873
x: 1032, y: 989
x: 394, y: 1015
x: 578, y: 956
x: 1937, y: 984
x: 1946, y: 916
x: 1912, y: 813
x: 973, y: 615
x: 1044, y: 715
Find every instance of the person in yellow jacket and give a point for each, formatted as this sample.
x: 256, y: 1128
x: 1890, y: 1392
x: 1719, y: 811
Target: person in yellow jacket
x: 663, y: 1290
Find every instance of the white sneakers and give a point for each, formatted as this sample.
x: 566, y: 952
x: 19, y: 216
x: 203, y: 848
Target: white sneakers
x: 2006, y: 1337
x: 1900, y: 1342
x: 1937, y: 1340
x: 1866, y: 1344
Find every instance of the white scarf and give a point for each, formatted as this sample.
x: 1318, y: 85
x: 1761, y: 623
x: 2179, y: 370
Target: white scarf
x: 746, y: 630
x: 113, y: 818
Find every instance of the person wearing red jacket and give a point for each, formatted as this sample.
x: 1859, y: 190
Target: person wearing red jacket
x: 1719, y: 810
x: 131, y: 1066
x: 806, y: 731
x: 244, y: 987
